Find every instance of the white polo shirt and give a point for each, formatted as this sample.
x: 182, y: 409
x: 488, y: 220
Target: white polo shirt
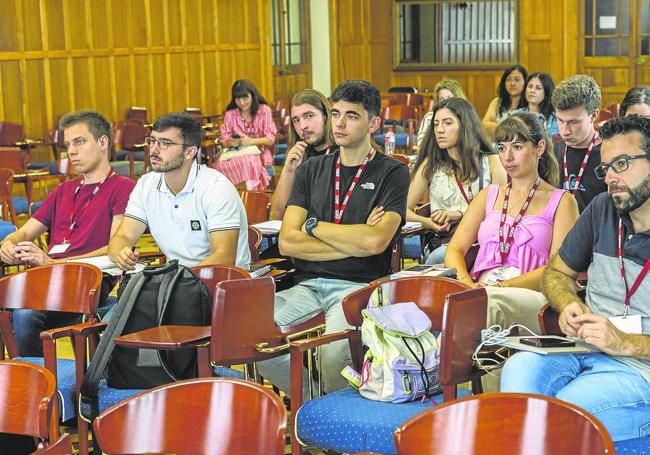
x: 180, y: 223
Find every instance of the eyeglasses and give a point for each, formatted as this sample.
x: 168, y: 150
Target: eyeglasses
x: 164, y: 144
x: 619, y: 165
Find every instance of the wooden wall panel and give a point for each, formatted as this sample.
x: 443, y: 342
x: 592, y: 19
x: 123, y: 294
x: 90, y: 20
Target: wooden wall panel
x: 62, y: 55
x: 361, y: 44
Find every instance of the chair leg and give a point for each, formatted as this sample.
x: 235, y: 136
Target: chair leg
x: 82, y: 429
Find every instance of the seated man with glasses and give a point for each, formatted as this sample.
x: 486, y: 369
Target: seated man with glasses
x: 193, y: 212
x: 79, y: 215
x: 611, y: 239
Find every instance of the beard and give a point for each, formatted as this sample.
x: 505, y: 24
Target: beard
x: 168, y: 166
x: 637, y: 196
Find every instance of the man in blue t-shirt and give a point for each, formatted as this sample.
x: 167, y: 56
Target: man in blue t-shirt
x: 336, y: 249
x: 611, y: 239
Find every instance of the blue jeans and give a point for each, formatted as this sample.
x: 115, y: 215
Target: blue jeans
x: 28, y: 325
x: 437, y: 256
x: 301, y: 302
x: 615, y: 393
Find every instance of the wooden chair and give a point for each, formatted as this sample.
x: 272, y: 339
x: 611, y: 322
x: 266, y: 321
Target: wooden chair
x: 69, y: 287
x: 27, y: 401
x: 137, y: 113
x: 506, y: 423
x: 11, y: 134
x: 398, y: 99
x: 6, y: 199
x: 257, y: 204
x: 17, y: 160
x: 458, y: 313
x: 254, y: 241
x: 401, y: 158
x: 209, y: 415
x: 128, y: 140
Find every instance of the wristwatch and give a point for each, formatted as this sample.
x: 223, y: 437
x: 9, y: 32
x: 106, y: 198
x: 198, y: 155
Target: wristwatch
x: 310, y: 224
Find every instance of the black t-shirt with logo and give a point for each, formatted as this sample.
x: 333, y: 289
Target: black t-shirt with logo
x: 590, y: 185
x: 384, y: 182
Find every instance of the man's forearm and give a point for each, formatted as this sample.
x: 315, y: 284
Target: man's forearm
x: 217, y: 258
x: 357, y: 240
x: 559, y: 289
x: 116, y: 244
x: 299, y: 245
x: 636, y: 346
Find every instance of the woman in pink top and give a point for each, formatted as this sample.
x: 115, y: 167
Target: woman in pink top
x: 520, y: 224
x: 247, y: 122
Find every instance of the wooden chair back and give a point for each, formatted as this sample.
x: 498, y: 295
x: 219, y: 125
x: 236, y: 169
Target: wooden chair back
x: 211, y: 415
x: 8, y: 211
x: 399, y: 113
x: 26, y: 393
x: 11, y: 133
x: 254, y: 241
x: 414, y: 99
x: 506, y: 423
x: 242, y: 317
x: 464, y: 316
x: 549, y: 320
x: 137, y: 113
x: 70, y: 287
x: 257, y: 204
x: 401, y: 158
x: 15, y: 159
x: 213, y: 274
x: 398, y: 98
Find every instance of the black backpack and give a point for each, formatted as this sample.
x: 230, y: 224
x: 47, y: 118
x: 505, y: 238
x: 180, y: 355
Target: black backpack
x: 168, y: 295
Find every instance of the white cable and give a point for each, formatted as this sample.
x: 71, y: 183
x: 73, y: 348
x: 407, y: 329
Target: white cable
x: 494, y: 336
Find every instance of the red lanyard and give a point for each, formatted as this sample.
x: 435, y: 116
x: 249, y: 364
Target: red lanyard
x: 338, y: 207
x: 506, y: 241
x: 469, y: 196
x: 582, y: 166
x: 629, y: 292
x: 75, y: 218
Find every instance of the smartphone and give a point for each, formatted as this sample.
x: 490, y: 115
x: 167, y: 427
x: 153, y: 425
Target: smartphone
x: 418, y: 268
x: 548, y: 342
x: 236, y: 136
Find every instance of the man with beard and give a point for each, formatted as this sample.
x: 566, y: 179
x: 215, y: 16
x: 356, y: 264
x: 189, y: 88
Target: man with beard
x: 193, y: 212
x: 310, y: 134
x: 79, y: 215
x: 612, y: 240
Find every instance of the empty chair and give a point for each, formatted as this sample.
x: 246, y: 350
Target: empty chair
x: 137, y: 113
x: 257, y: 204
x: 200, y: 416
x: 504, y: 423
x: 11, y: 133
x: 26, y: 393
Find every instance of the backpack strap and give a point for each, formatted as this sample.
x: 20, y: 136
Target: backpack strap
x: 88, y: 401
x: 165, y: 291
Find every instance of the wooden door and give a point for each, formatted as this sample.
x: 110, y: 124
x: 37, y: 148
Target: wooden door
x: 290, y: 46
x: 614, y: 45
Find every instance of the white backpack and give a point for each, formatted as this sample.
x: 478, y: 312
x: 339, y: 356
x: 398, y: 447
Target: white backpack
x: 403, y: 358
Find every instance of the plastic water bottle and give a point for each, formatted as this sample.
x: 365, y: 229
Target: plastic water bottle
x: 389, y: 141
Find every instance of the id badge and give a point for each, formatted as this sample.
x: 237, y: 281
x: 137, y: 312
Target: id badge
x: 58, y: 249
x: 628, y: 324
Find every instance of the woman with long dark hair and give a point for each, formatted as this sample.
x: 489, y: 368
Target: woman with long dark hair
x: 510, y: 96
x: 456, y: 160
x: 539, y: 90
x: 248, y: 132
x: 518, y: 225
x: 636, y: 102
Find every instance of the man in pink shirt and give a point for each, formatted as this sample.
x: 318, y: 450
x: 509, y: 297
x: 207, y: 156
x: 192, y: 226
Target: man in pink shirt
x: 80, y: 215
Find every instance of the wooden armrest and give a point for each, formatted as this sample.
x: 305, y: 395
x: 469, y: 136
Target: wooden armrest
x: 166, y: 337
x: 268, y: 261
x: 62, y: 332
x: 411, y: 232
x: 89, y: 329
x: 311, y: 343
x: 314, y: 322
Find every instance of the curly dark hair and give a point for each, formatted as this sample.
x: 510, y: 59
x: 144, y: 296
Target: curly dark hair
x: 624, y: 125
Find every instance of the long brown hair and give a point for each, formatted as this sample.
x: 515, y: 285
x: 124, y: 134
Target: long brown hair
x: 317, y: 100
x: 526, y: 127
x: 472, y: 142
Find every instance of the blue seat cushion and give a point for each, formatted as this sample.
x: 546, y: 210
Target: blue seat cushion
x: 400, y: 139
x: 344, y: 421
x: 6, y: 228
x: 65, y: 377
x: 20, y: 204
x: 639, y: 446
x: 109, y: 396
x: 412, y: 248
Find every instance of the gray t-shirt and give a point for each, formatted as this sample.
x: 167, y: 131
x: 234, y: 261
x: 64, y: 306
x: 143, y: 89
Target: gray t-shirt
x: 592, y: 245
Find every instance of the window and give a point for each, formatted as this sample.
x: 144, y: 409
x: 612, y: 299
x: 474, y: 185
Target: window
x: 288, y: 27
x: 607, y: 28
x: 453, y: 33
